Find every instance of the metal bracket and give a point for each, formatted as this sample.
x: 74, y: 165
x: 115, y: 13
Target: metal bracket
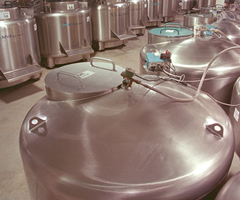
x: 38, y: 126
x: 215, y: 129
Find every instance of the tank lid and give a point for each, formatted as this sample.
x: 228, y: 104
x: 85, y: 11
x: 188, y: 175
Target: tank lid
x: 172, y: 30
x: 8, y: 12
x: 83, y: 80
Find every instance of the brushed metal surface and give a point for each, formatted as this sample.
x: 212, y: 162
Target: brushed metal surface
x: 19, y: 47
x: 155, y: 12
x: 129, y: 144
x: 64, y: 32
x: 191, y: 20
x: 137, y: 16
x: 188, y: 4
x: 110, y: 25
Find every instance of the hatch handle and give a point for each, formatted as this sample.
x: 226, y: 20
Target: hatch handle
x: 103, y: 59
x: 71, y: 75
x: 176, y: 24
x: 172, y: 27
x: 5, y: 3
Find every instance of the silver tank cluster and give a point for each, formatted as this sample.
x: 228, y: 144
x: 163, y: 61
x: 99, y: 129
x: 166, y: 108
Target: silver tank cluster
x: 64, y: 31
x: 99, y: 135
x: 19, y: 45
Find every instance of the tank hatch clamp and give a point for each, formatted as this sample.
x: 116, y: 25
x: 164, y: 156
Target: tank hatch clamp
x: 38, y: 126
x: 215, y: 129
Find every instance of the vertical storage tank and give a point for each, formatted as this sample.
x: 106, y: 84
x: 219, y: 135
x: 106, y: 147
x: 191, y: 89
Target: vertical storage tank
x: 64, y: 32
x: 138, y: 16
x: 155, y: 12
x: 18, y: 46
x: 167, y: 11
x: 110, y: 24
x: 96, y: 136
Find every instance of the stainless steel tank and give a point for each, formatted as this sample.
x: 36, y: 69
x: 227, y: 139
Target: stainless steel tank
x: 167, y: 11
x: 64, y: 32
x: 110, y: 24
x: 231, y: 189
x: 169, y: 32
x: 234, y: 113
x: 230, y: 28
x: 155, y: 12
x: 188, y: 5
x: 191, y: 20
x: 206, y: 3
x: 94, y: 138
x: 19, y: 47
x: 192, y: 56
x: 138, y: 16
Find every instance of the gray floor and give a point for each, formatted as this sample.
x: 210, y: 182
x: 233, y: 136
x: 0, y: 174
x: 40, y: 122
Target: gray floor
x: 16, y: 101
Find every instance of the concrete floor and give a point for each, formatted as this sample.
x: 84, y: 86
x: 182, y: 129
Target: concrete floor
x: 16, y: 101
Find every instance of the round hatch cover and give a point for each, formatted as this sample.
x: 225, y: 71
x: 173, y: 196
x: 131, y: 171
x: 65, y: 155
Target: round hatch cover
x: 82, y: 80
x: 171, y: 30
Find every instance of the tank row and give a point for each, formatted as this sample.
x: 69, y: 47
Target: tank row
x: 105, y: 132
x: 59, y: 32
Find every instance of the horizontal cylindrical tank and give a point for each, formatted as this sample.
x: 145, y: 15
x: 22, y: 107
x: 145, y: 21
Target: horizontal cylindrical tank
x: 169, y: 32
x: 192, y: 56
x: 92, y: 137
x: 64, y: 32
x: 19, y: 47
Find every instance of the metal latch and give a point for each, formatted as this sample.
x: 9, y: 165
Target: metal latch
x: 216, y: 129
x: 38, y: 126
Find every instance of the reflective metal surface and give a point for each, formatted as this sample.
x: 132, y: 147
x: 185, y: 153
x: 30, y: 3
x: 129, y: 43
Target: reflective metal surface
x: 64, y: 33
x: 205, y: 3
x: 191, y: 57
x: 231, y: 28
x: 128, y: 144
x: 110, y: 25
x: 188, y: 4
x: 138, y: 16
x: 167, y: 11
x: 231, y: 189
x: 19, y: 47
x: 191, y: 20
x: 155, y: 12
x: 169, y: 32
x: 234, y: 113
